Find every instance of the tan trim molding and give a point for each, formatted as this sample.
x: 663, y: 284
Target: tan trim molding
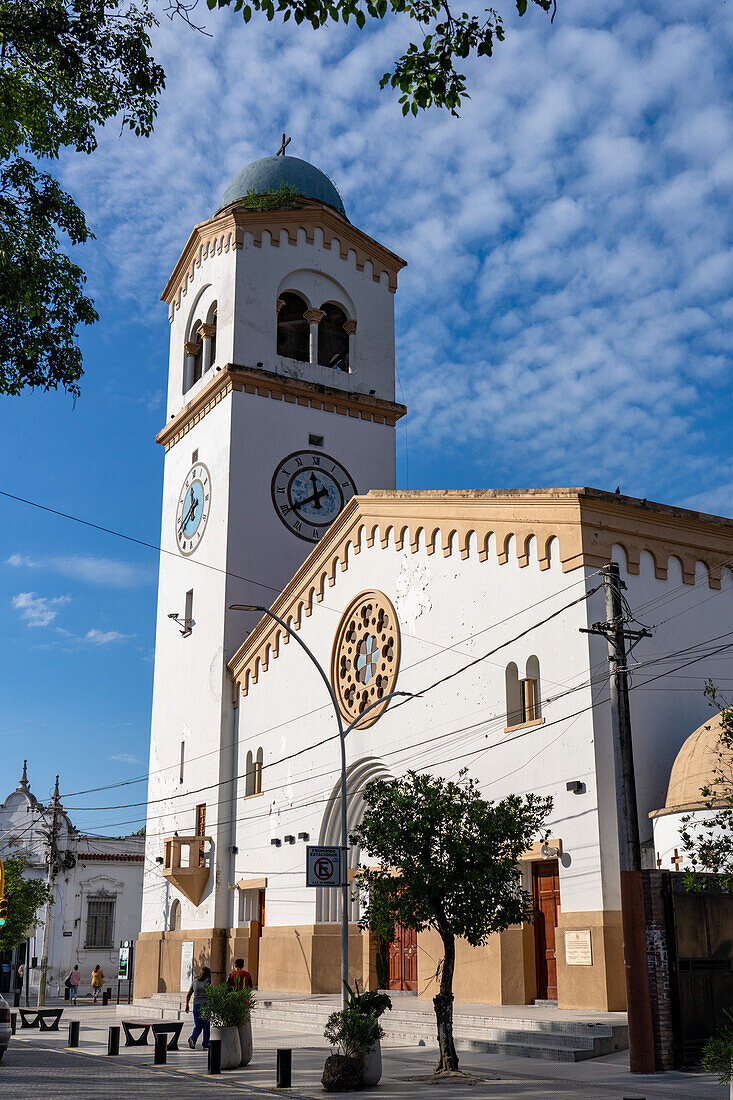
x: 586, y: 523
x: 278, y: 387
x: 226, y: 231
x: 252, y: 884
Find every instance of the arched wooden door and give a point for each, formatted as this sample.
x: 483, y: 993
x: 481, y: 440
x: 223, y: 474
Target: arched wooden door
x: 402, y: 960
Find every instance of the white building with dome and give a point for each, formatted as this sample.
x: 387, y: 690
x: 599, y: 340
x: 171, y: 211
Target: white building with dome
x: 279, y: 490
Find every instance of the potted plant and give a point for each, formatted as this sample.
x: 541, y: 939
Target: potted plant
x: 372, y: 1003
x: 242, y: 1004
x: 224, y: 1012
x: 717, y: 1054
x: 354, y: 1033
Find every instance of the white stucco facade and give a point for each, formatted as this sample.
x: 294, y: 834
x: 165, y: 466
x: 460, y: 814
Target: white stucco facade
x: 489, y: 588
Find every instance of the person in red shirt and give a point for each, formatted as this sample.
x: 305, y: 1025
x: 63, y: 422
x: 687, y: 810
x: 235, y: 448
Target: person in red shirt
x: 239, y: 977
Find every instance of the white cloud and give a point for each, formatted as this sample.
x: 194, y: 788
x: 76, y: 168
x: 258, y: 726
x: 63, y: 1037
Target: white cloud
x: 125, y: 758
x: 92, y: 570
x: 104, y: 637
x: 564, y: 315
x: 38, y: 610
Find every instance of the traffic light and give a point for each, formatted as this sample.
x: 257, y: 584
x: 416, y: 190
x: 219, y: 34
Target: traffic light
x: 3, y: 912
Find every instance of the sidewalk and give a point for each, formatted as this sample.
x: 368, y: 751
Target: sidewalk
x: 41, y: 1066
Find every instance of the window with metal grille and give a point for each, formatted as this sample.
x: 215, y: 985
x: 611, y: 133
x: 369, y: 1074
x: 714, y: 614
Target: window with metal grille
x: 100, y: 922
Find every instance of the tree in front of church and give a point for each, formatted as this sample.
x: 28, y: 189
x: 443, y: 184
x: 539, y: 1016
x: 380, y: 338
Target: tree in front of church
x: 24, y: 896
x: 447, y: 860
x: 68, y: 66
x: 708, y: 841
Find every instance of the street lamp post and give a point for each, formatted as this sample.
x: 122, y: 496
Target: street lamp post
x: 343, y: 731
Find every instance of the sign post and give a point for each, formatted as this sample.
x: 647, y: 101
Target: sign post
x: 323, y: 866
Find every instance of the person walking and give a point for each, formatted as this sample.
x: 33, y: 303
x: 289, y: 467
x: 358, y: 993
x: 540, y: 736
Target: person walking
x: 239, y: 977
x: 73, y: 980
x: 97, y: 982
x: 198, y: 992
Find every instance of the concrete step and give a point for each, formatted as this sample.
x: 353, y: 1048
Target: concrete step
x: 564, y: 1040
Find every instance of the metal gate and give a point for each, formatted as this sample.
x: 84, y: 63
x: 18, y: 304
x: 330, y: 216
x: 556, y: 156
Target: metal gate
x: 701, y: 964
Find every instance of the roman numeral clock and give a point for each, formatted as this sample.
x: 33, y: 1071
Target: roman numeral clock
x: 309, y: 489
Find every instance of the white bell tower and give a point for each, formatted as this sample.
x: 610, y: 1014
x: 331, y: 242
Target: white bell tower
x: 280, y: 407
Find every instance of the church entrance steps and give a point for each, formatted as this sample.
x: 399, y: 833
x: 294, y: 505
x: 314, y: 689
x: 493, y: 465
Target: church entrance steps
x: 528, y: 1031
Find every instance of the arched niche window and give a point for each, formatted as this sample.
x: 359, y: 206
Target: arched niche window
x: 193, y: 363
x: 293, y: 331
x: 513, y: 696
x: 333, y: 340
x: 523, y: 693
x: 207, y: 334
x: 253, y: 774
x: 174, y: 920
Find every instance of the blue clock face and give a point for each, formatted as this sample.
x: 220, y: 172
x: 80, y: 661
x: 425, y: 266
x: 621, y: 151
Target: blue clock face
x: 309, y: 489
x: 194, y: 504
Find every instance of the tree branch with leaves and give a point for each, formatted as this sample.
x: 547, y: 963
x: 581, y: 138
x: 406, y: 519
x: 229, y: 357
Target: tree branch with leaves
x: 25, y: 896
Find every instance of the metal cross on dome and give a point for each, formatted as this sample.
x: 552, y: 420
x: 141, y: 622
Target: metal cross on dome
x: 283, y: 147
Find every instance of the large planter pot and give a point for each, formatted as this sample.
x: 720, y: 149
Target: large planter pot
x: 372, y: 1071
x: 245, y: 1041
x: 231, y: 1048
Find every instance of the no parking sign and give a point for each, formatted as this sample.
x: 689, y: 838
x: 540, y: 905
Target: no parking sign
x: 322, y: 866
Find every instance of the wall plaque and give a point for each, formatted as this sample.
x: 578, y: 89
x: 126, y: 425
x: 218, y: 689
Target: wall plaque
x: 577, y: 949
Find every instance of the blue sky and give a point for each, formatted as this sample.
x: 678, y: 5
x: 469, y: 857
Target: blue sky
x: 565, y: 318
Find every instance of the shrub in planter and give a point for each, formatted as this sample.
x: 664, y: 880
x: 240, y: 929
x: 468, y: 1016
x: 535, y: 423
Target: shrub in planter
x: 717, y: 1054
x: 229, y: 1012
x: 354, y: 1035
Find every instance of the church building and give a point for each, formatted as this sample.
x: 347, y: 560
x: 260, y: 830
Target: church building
x: 279, y: 491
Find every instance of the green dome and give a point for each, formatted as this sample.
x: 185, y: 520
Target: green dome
x: 270, y: 172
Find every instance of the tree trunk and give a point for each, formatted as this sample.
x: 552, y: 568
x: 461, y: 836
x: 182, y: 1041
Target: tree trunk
x: 444, y: 1006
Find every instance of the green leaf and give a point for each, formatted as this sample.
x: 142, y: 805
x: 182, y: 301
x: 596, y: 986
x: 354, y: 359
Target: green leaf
x: 521, y: 6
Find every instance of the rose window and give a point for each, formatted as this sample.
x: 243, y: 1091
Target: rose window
x: 366, y: 656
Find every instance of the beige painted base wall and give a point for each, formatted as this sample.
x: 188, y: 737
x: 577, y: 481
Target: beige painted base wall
x: 307, y: 959
x: 158, y: 955
x: 603, y: 984
x: 499, y: 972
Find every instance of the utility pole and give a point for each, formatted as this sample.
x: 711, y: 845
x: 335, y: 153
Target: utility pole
x: 50, y: 877
x: 638, y: 994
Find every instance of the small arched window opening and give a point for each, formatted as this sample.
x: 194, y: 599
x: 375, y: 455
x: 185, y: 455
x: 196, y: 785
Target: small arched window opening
x: 207, y: 333
x: 513, y: 696
x: 174, y: 920
x: 253, y: 774
x: 333, y: 340
x: 530, y: 686
x: 293, y: 331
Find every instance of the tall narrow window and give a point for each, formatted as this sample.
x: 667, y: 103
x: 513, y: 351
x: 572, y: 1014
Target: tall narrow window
x: 183, y: 760
x: 293, y: 331
x: 531, y: 699
x: 201, y: 829
x: 253, y: 773
x: 100, y: 922
x: 333, y: 340
x: 174, y: 921
x: 188, y: 615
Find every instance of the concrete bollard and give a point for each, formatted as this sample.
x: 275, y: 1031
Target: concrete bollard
x: 74, y: 1033
x: 105, y: 997
x: 13, y: 1022
x: 284, y: 1067
x: 113, y: 1041
x: 16, y: 999
x: 161, y: 1049
x: 214, y: 1056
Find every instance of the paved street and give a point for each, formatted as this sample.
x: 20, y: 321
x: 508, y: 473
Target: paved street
x: 41, y: 1066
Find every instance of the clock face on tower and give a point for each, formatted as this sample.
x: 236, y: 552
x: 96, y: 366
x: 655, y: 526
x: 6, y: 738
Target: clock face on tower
x: 192, y: 511
x: 309, y: 489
